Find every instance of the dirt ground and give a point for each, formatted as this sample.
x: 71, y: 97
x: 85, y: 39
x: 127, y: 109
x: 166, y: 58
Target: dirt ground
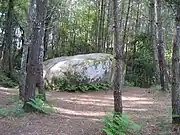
x: 79, y: 113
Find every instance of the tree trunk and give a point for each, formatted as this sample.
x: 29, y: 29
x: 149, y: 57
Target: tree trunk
x: 22, y: 76
x: 107, y: 33
x: 35, y: 65
x: 136, y: 32
x: 126, y: 24
x: 41, y: 16
x: 7, y: 42
x: 176, y: 71
x: 118, y: 82
x: 98, y: 3
x: 25, y: 46
x: 160, y: 43
x: 153, y: 41
x: 100, y: 32
x: 46, y: 35
x: 122, y: 12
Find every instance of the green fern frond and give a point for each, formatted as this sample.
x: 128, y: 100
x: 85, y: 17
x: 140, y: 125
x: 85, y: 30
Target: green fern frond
x: 119, y: 125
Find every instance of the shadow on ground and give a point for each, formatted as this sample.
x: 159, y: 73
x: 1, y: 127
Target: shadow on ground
x: 79, y: 113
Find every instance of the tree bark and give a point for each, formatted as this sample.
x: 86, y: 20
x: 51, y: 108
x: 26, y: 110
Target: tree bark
x: 153, y: 41
x: 27, y: 33
x: 126, y: 24
x: 176, y: 71
x: 41, y: 16
x: 7, y: 42
x: 160, y: 43
x: 118, y: 82
x: 46, y: 36
x: 22, y: 76
x: 107, y: 33
x: 35, y: 62
x: 100, y: 32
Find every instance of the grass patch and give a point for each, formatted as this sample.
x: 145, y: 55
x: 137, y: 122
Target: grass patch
x: 164, y: 127
x: 13, y: 109
x: 11, y: 100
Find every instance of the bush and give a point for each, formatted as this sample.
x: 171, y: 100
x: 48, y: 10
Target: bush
x: 72, y: 83
x: 128, y: 84
x: 156, y: 87
x: 65, y: 85
x: 6, y: 81
x: 140, y: 67
x: 119, y: 125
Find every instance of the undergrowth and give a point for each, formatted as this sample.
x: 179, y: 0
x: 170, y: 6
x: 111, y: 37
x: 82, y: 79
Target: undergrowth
x: 72, y: 83
x: 128, y: 84
x: 64, y: 85
x: 38, y: 105
x: 156, y: 87
x: 13, y: 108
x: 119, y: 125
x: 7, y: 81
x: 164, y: 124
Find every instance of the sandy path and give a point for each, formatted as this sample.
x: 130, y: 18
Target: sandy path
x: 78, y: 113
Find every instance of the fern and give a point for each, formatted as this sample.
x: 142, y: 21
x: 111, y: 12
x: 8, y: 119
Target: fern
x: 40, y: 106
x: 119, y: 125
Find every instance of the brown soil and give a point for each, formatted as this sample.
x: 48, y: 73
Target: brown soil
x: 79, y: 113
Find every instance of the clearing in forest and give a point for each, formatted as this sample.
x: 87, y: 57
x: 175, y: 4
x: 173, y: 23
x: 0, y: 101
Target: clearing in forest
x: 79, y: 113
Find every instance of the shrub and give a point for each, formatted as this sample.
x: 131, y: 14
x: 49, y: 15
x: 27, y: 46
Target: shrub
x: 156, y: 87
x: 6, y: 81
x: 128, y: 84
x: 72, y: 83
x: 65, y: 85
x: 140, y: 66
x: 119, y: 125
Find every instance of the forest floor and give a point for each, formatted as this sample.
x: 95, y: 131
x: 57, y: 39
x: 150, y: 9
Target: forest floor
x: 79, y: 113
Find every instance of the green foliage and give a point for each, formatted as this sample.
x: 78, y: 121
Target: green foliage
x: 40, y: 96
x: 65, y: 85
x: 176, y: 2
x: 119, y: 125
x: 13, y: 108
x: 4, y: 112
x: 11, y: 100
x: 38, y: 105
x: 156, y: 87
x: 140, y: 68
x: 6, y: 81
x: 76, y: 82
x: 128, y: 84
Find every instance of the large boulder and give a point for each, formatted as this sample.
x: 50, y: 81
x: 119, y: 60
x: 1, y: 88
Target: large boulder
x: 88, y: 68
